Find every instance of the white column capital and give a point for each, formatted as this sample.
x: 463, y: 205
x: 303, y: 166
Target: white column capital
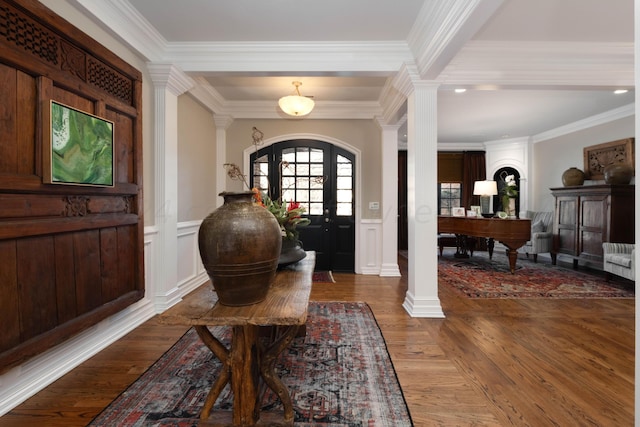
x: 222, y: 121
x: 384, y: 126
x: 170, y: 77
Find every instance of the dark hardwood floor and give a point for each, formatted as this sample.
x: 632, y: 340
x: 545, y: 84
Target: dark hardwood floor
x: 516, y: 362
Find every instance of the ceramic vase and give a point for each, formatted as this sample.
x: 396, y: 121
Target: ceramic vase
x: 512, y: 207
x: 618, y: 173
x: 240, y: 245
x: 292, y: 252
x: 572, y: 176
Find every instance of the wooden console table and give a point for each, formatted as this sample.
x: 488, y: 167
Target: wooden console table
x: 250, y: 361
x: 513, y: 233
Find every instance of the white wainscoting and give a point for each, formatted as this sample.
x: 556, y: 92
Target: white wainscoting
x: 370, y: 250
x: 191, y: 272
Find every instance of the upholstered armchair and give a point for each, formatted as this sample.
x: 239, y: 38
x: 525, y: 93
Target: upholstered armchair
x: 541, y: 233
x: 619, y: 259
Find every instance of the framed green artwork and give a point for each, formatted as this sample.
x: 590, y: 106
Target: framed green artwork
x: 78, y: 148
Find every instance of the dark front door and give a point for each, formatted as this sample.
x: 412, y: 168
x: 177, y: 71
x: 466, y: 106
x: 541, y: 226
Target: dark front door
x: 321, y: 177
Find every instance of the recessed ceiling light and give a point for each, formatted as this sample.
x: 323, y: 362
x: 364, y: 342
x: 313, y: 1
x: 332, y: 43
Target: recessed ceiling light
x: 619, y: 91
x: 460, y: 90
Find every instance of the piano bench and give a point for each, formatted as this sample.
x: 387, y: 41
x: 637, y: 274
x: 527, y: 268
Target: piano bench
x: 450, y: 241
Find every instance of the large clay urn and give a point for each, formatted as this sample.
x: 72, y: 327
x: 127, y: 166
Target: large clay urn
x: 240, y: 244
x: 618, y: 173
x: 572, y: 176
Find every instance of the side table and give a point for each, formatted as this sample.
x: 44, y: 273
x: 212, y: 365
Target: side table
x: 249, y: 362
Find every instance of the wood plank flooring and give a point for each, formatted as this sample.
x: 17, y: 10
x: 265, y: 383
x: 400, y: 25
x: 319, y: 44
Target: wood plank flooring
x: 524, y: 362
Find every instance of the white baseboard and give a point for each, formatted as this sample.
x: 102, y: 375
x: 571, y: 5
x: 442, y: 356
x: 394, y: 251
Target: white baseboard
x: 25, y: 380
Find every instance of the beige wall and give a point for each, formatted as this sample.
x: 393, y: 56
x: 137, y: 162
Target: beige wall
x: 363, y: 135
x: 552, y: 157
x: 197, y: 161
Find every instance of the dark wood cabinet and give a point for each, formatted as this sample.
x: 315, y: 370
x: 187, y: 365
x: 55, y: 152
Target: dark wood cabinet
x: 586, y: 216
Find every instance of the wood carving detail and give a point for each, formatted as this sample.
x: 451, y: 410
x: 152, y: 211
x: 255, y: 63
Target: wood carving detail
x: 109, y: 80
x: 598, y: 157
x: 76, y: 206
x: 73, y: 60
x: 128, y: 204
x: 28, y: 35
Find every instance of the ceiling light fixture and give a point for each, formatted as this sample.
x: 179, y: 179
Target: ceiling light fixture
x: 619, y: 91
x: 296, y: 104
x: 460, y: 90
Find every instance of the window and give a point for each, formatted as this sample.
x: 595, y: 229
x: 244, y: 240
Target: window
x: 449, y: 196
x: 302, y: 176
x: 344, y: 186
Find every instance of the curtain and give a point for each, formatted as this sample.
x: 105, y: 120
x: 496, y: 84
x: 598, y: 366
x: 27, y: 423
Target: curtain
x: 474, y: 169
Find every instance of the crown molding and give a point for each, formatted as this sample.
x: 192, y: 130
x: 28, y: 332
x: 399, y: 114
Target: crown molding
x: 393, y: 103
x: 128, y: 25
x: 214, y: 102
x: 542, y: 64
x: 369, y: 57
x: 599, y: 119
x: 442, y: 28
x: 206, y: 94
x: 322, y: 110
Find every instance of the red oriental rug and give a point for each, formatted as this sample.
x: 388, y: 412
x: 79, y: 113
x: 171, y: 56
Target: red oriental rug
x: 479, y: 277
x: 340, y: 374
x: 323, y: 277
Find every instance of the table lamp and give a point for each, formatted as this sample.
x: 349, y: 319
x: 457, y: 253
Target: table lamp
x: 485, y: 189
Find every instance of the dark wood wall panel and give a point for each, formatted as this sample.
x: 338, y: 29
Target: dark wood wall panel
x: 88, y: 288
x: 26, y: 124
x: 128, y: 276
x: 8, y: 113
x: 37, y: 286
x: 70, y: 255
x: 65, y: 277
x: 109, y: 263
x: 9, y: 313
x: 124, y: 147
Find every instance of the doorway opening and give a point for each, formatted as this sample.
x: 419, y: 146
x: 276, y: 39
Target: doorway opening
x: 321, y: 177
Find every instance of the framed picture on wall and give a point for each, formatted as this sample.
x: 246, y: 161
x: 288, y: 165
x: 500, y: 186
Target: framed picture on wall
x: 78, y: 147
x: 597, y: 157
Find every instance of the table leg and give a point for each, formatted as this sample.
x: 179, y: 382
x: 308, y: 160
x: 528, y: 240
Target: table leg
x: 245, y: 381
x: 222, y: 354
x: 243, y: 365
x: 513, y: 256
x: 267, y: 369
x: 240, y: 368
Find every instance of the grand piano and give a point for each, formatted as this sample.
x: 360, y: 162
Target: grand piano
x: 513, y: 233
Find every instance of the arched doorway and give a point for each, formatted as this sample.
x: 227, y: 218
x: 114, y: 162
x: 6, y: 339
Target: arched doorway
x: 321, y: 177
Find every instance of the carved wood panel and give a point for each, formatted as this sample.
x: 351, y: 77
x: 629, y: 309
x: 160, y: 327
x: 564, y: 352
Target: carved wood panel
x: 70, y: 255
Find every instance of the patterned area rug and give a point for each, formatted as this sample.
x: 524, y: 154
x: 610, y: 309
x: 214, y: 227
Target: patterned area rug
x: 339, y: 375
x: 479, y: 277
x: 323, y: 277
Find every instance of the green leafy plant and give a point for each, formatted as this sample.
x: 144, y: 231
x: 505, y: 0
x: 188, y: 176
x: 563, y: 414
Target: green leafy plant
x: 288, y: 215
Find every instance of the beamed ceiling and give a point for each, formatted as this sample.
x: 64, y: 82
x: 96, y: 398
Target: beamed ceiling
x: 529, y: 67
